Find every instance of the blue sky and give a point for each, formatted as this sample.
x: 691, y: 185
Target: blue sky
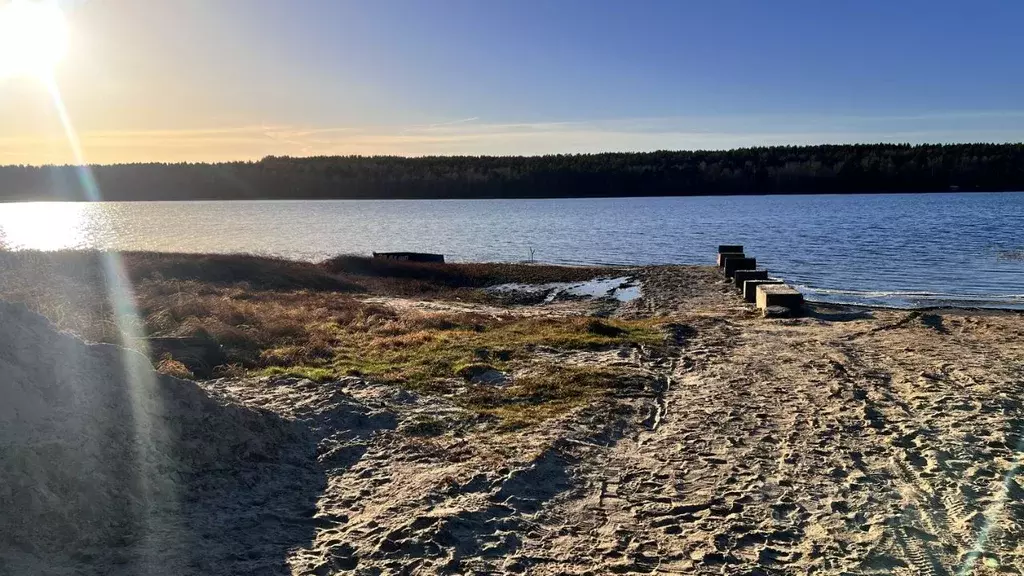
x: 212, y: 80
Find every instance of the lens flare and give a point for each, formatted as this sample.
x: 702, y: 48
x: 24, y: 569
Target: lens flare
x: 142, y: 382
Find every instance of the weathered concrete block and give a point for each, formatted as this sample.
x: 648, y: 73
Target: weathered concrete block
x: 750, y: 287
x: 729, y: 248
x: 741, y: 276
x: 734, y: 264
x: 769, y: 295
x: 722, y: 257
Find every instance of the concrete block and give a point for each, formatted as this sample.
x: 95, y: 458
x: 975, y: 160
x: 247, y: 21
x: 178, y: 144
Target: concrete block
x: 722, y: 257
x: 750, y: 288
x: 729, y: 248
x: 734, y: 264
x: 741, y: 276
x: 769, y: 295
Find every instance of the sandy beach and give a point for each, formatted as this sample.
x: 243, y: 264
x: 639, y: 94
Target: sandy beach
x: 406, y: 287
x: 846, y: 441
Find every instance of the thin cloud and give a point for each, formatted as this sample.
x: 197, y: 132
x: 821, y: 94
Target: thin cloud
x: 418, y: 127
x: 468, y: 136
x: 462, y: 121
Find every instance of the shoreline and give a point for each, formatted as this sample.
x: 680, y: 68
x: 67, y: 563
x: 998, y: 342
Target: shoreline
x: 489, y: 198
x: 948, y: 309
x: 999, y: 306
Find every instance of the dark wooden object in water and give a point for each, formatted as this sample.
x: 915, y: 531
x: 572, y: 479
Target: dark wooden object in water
x: 723, y: 256
x: 410, y: 257
x: 734, y: 264
x: 741, y: 276
x: 727, y: 248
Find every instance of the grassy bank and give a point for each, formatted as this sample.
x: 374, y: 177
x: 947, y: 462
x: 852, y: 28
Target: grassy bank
x: 275, y: 316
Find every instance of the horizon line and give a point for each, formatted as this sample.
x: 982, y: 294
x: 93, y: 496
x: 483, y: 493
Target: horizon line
x: 545, y: 155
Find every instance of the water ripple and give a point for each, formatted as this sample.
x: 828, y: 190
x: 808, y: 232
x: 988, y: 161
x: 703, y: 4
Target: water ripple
x: 891, y: 250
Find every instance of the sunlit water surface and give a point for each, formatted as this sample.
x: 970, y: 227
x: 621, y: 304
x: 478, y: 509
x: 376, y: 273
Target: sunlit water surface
x: 893, y: 249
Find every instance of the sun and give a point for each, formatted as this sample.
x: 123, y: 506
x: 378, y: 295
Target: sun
x: 33, y: 37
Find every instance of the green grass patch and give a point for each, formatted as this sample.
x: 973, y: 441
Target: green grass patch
x: 308, y: 372
x: 420, y: 357
x: 439, y: 361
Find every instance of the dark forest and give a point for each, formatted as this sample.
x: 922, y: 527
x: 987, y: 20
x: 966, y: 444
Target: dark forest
x: 833, y: 169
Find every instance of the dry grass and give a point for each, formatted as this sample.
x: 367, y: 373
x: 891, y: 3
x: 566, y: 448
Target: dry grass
x: 172, y: 367
x: 274, y: 316
x: 72, y: 287
x: 410, y: 278
x: 249, y: 324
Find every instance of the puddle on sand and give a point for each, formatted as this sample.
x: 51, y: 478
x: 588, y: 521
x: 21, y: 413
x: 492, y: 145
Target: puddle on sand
x: 623, y: 289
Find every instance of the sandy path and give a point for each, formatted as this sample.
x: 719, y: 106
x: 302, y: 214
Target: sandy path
x: 882, y: 443
x: 733, y: 476
x: 847, y: 442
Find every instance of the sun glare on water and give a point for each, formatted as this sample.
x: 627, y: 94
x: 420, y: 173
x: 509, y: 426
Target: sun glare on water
x: 33, y: 38
x: 41, y: 225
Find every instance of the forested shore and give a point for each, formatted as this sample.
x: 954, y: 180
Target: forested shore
x: 834, y: 169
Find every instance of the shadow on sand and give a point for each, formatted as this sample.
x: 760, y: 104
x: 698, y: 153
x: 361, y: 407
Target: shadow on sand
x: 109, y: 468
x: 830, y: 313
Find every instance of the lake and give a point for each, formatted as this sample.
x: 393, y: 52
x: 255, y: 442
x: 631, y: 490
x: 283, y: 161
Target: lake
x: 891, y: 250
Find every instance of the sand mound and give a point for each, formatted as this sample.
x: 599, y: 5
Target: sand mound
x: 98, y: 453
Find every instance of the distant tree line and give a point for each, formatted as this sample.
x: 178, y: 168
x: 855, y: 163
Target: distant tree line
x: 867, y: 168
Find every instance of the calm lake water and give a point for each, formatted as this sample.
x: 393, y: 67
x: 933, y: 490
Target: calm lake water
x: 894, y: 249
